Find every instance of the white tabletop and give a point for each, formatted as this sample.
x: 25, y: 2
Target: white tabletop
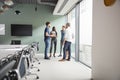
x: 6, y: 50
x: 12, y: 46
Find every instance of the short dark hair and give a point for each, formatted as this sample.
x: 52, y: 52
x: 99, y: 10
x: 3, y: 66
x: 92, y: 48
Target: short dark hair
x: 63, y: 26
x: 47, y: 23
x: 53, y: 28
x: 68, y: 24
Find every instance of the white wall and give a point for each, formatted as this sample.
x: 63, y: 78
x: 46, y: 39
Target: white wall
x: 106, y: 41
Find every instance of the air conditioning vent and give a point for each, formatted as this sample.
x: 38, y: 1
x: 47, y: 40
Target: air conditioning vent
x: 47, y: 2
x: 64, y: 6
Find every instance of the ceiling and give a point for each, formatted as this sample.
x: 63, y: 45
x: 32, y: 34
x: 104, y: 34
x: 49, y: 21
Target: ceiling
x: 44, y: 2
x: 62, y: 7
x: 65, y: 6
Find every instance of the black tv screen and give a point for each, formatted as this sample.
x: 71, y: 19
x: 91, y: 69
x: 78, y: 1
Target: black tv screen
x: 21, y: 30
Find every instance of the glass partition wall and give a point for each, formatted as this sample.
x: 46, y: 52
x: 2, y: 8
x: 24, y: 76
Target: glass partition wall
x: 81, y: 22
x: 71, y: 20
x: 85, y: 31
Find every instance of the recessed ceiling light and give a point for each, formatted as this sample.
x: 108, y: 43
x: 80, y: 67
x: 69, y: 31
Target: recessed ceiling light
x: 8, y: 2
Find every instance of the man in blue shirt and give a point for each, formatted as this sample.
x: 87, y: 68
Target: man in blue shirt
x: 62, y: 39
x: 47, y: 39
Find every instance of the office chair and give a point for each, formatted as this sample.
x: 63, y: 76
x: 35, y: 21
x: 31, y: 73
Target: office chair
x: 27, y: 55
x: 30, y: 56
x: 35, y: 49
x: 19, y: 70
x: 6, y: 64
x: 15, y: 42
x: 15, y: 73
x: 22, y: 65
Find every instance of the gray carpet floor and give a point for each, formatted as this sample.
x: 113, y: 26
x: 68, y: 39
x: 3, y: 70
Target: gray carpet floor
x: 54, y: 70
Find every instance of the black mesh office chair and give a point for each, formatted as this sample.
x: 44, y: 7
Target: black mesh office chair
x: 15, y: 42
x: 28, y: 56
x: 6, y: 64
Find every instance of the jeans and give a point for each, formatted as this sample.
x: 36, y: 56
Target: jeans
x: 47, y: 44
x: 61, y: 46
x: 67, y: 47
x: 53, y: 41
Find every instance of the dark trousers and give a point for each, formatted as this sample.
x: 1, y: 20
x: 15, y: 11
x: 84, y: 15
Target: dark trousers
x: 67, y: 47
x: 47, y: 44
x: 53, y: 42
x: 61, y: 46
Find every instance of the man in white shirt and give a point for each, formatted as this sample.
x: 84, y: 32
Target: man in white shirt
x: 67, y: 42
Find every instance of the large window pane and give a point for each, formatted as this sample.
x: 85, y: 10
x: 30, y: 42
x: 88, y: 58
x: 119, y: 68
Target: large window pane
x: 85, y: 32
x: 71, y: 19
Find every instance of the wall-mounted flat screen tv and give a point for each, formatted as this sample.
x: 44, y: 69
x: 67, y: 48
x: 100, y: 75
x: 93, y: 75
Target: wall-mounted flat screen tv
x: 21, y: 30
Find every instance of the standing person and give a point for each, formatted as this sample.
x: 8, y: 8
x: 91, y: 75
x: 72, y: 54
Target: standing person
x: 67, y: 43
x: 53, y: 41
x: 62, y: 39
x: 47, y: 39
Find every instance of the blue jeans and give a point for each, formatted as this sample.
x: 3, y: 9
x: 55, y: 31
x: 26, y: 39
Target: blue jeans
x: 61, y: 46
x: 47, y: 44
x: 67, y: 47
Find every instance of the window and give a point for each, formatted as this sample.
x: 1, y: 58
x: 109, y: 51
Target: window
x: 2, y: 29
x: 85, y: 31
x: 81, y: 21
x: 71, y: 20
